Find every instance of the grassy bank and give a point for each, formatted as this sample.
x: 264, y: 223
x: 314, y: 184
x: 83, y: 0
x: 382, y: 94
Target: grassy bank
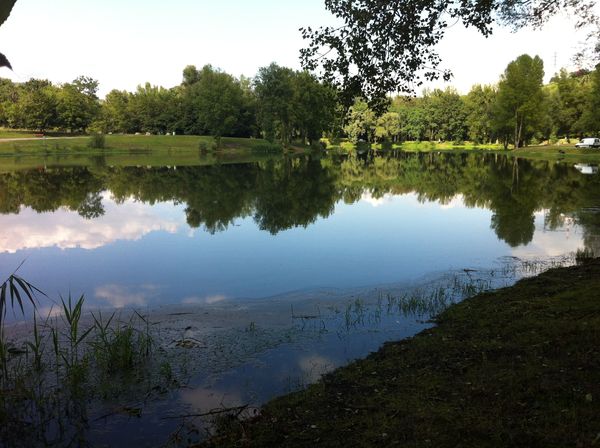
x: 515, y: 367
x: 127, y: 143
x: 127, y: 150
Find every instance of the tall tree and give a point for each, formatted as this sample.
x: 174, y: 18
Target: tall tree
x: 591, y: 116
x: 568, y: 95
x: 37, y: 105
x: 361, y: 122
x: 388, y: 127
x: 520, y: 96
x: 78, y: 104
x: 274, y: 87
x: 114, y: 115
x: 219, y: 102
x: 479, y: 105
x: 313, y: 105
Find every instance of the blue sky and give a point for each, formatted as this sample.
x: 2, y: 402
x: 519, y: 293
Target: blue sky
x: 128, y: 42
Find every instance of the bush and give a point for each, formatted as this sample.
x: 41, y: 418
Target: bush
x: 97, y: 141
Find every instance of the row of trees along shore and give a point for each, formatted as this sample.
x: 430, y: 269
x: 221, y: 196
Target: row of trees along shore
x: 286, y: 105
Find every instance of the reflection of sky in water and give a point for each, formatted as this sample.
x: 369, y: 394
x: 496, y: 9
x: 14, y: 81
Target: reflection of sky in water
x: 139, y: 254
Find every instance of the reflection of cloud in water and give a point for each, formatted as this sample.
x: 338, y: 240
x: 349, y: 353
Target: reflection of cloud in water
x: 314, y: 366
x: 65, y: 229
x: 204, y: 399
x: 120, y: 296
x: 210, y: 300
x: 456, y: 202
x: 376, y: 202
x: 547, y: 243
x: 49, y: 311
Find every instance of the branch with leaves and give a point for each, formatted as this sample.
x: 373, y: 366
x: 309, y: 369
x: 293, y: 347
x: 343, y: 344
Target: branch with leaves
x: 380, y: 47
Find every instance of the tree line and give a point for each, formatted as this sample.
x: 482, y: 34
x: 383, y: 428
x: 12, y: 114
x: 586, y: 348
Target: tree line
x: 285, y: 192
x: 287, y: 105
x: 519, y: 109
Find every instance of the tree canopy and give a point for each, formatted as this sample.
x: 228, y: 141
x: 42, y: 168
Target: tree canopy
x: 390, y: 46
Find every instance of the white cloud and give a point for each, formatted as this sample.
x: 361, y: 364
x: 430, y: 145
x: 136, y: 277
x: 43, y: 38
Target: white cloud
x: 315, y: 366
x: 210, y: 300
x: 456, y: 202
x: 118, y: 296
x: 376, y: 202
x: 65, y: 229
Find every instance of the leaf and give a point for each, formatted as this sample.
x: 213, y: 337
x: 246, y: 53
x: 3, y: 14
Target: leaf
x: 4, y: 62
x: 6, y: 7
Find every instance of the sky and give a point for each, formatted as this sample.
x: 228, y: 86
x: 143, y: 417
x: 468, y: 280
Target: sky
x: 124, y: 43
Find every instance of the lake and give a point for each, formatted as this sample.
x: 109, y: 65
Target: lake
x: 281, y: 268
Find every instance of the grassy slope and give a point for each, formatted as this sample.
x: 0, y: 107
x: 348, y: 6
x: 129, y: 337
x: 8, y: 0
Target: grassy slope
x: 516, y: 367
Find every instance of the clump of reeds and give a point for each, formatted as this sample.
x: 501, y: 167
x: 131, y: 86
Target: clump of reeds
x: 49, y: 379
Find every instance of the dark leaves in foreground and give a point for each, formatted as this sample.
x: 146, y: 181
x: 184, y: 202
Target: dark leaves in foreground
x: 381, y: 47
x: 4, y: 62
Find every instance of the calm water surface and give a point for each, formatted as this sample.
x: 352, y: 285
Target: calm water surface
x: 251, y: 241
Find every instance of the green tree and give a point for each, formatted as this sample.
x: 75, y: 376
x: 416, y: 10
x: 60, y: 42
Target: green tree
x: 274, y: 87
x: 78, y: 104
x: 388, y: 127
x: 360, y: 122
x: 520, y: 96
x: 412, y: 116
x: 313, y: 105
x: 37, y: 105
x: 114, y: 114
x: 152, y: 109
x: 479, y: 107
x: 445, y: 114
x: 567, y: 96
x: 219, y: 101
x: 590, y: 120
x: 377, y: 47
x: 8, y: 97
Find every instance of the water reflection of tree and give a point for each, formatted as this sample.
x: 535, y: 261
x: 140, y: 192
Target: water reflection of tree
x: 286, y: 192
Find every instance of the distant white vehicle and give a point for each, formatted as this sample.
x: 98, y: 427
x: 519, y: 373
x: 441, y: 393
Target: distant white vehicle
x: 589, y: 143
x: 585, y: 168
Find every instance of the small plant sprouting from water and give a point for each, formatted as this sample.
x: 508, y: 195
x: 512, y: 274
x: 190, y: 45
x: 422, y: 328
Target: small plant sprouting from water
x: 50, y: 378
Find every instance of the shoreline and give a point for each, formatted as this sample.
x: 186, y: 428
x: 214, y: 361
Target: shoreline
x: 513, y: 367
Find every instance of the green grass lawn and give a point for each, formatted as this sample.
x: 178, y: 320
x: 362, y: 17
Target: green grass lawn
x: 167, y: 145
x: 14, y: 133
x: 129, y: 142
x: 518, y: 367
x: 124, y: 150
